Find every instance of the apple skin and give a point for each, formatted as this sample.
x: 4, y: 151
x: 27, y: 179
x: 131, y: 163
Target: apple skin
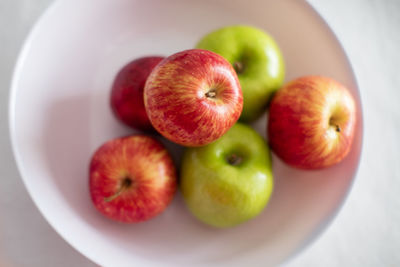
x: 193, y: 97
x: 312, y: 122
x: 257, y: 59
x: 127, y: 93
x: 222, y: 192
x: 132, y: 179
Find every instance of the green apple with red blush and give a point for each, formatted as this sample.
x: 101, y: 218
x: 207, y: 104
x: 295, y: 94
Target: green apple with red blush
x: 257, y: 60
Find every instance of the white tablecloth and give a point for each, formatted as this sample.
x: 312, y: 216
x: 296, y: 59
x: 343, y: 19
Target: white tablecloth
x: 367, y: 230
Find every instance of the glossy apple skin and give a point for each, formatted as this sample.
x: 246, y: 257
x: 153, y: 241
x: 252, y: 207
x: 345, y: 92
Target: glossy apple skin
x: 147, y: 164
x: 312, y: 122
x: 221, y: 194
x: 178, y: 102
x: 127, y: 92
x: 262, y: 61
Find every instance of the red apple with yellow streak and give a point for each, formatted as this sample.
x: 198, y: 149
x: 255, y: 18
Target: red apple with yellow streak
x: 193, y: 97
x: 132, y: 179
x: 312, y: 122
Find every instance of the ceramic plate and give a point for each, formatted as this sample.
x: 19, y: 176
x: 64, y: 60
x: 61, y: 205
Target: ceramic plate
x: 59, y: 114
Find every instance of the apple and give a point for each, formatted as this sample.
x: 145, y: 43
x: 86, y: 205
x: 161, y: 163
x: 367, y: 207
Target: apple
x: 311, y: 122
x: 228, y: 181
x: 193, y: 97
x: 257, y: 60
x: 132, y: 178
x: 127, y: 92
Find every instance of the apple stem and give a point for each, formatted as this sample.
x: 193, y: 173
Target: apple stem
x: 238, y: 66
x: 234, y: 160
x: 126, y: 183
x: 212, y: 93
x: 338, y: 128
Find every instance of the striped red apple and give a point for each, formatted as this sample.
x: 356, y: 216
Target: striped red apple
x: 312, y: 122
x: 193, y: 97
x: 132, y: 179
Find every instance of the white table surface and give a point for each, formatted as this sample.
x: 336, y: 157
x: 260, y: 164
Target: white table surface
x: 366, y: 232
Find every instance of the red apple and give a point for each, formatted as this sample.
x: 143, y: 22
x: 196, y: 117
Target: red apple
x: 127, y: 92
x: 193, y: 97
x: 132, y: 179
x: 311, y: 122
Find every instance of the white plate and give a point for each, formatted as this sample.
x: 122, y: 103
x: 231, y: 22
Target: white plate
x: 59, y: 114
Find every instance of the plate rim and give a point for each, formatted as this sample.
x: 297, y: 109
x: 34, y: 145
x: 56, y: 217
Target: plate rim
x: 16, y: 74
x: 325, y: 224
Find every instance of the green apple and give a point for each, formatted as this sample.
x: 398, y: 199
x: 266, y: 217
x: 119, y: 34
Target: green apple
x: 258, y: 62
x: 230, y: 180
